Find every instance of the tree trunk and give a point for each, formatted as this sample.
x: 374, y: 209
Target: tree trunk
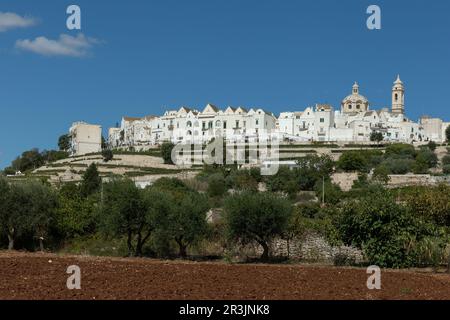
x: 183, y: 247
x: 265, y: 254
x: 183, y: 252
x: 288, y: 247
x: 11, y: 242
x: 138, y: 252
x: 41, y: 244
x: 129, y: 244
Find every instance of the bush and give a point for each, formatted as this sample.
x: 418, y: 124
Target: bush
x: 352, y: 161
x: 107, y: 155
x: 216, y: 185
x: 432, y: 145
x: 427, y: 158
x: 333, y: 193
x: 446, y: 169
x: 446, y: 160
x: 400, y: 149
x: 382, y: 228
x: 166, y: 152
x: 381, y: 174
x: 398, y: 165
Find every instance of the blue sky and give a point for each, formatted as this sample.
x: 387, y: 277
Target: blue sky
x: 142, y: 57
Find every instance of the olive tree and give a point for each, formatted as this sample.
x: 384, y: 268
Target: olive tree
x: 258, y: 217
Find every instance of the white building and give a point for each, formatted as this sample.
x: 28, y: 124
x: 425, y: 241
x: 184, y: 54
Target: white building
x: 188, y: 125
x: 85, y: 138
x: 354, y: 122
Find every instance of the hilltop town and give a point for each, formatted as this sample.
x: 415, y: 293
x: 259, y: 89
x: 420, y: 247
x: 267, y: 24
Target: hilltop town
x: 355, y: 121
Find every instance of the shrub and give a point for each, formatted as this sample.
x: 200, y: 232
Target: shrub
x: 216, y: 185
x: 166, y: 152
x: 427, y: 158
x: 432, y: 145
x: 381, y: 174
x: 400, y: 149
x: 107, y: 155
x: 352, y: 161
x: 398, y: 165
x: 91, y: 181
x: 333, y: 193
x: 446, y: 169
x: 446, y: 160
x: 382, y: 228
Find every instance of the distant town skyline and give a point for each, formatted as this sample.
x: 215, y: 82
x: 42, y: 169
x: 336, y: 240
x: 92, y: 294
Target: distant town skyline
x: 143, y: 57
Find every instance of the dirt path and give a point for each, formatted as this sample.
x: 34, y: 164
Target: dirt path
x: 43, y: 276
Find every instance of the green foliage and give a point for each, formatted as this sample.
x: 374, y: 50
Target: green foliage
x: 397, y: 165
x: 166, y: 152
x: 29, y: 160
x: 381, y: 174
x: 107, y: 155
x: 401, y: 149
x: 431, y: 203
x: 285, y: 180
x: 91, y: 181
x: 27, y: 207
x: 446, y: 169
x: 243, y: 180
x: 447, y: 133
x: 427, y: 158
x: 133, y: 213
x: 64, y: 142
x: 382, y: 228
x: 187, y: 221
x: 333, y: 193
x: 376, y: 137
x: 446, y: 160
x: 352, y: 161
x: 257, y: 217
x: 312, y: 168
x: 76, y: 216
x: 216, y: 185
x: 432, y: 145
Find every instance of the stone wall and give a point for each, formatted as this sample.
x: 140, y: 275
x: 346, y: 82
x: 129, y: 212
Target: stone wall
x: 312, y: 248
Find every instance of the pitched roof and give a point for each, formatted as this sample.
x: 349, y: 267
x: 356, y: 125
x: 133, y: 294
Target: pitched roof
x: 131, y: 119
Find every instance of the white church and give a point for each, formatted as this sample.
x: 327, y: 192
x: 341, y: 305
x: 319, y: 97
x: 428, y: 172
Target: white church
x: 355, y: 121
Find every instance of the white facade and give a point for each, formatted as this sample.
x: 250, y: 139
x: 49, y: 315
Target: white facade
x: 85, y: 138
x: 354, y: 122
x: 187, y: 125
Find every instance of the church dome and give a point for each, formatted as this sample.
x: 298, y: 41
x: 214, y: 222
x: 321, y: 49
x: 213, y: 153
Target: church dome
x: 355, y: 102
x: 355, y: 98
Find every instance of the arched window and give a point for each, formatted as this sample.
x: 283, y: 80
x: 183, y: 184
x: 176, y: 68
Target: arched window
x: 396, y: 97
x: 218, y: 124
x: 189, y: 124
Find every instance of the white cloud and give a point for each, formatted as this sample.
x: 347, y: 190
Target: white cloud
x: 65, y: 45
x: 9, y: 20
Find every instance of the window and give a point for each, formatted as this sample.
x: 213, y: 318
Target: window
x: 257, y: 121
x: 358, y: 106
x: 322, y: 120
x: 396, y: 97
x: 237, y: 123
x: 224, y: 124
x: 245, y: 122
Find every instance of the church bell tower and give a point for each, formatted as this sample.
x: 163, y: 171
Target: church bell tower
x: 398, y: 97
